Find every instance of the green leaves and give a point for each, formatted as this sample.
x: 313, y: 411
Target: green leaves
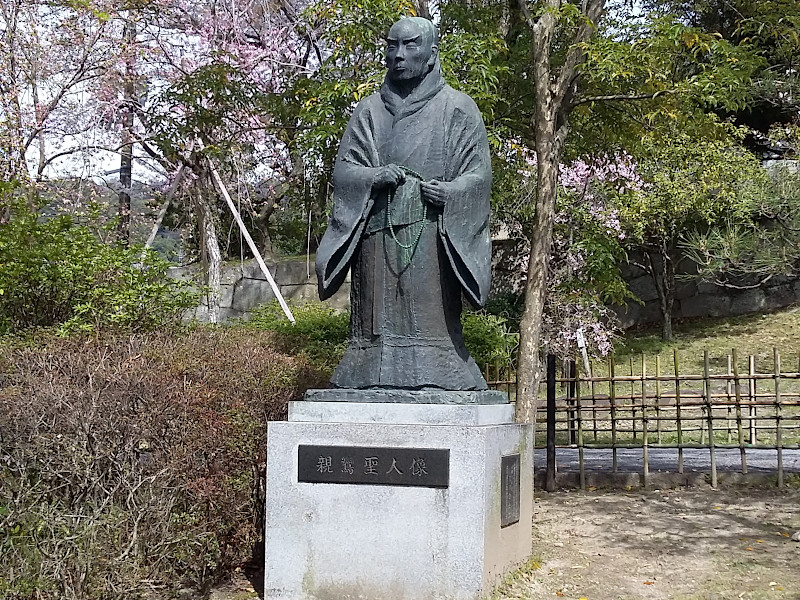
x: 663, y: 55
x: 766, y: 28
x: 319, y: 334
x: 216, y: 102
x: 475, y: 63
x: 690, y: 182
x: 351, y: 69
x: 753, y: 249
x: 60, y: 274
x: 489, y: 338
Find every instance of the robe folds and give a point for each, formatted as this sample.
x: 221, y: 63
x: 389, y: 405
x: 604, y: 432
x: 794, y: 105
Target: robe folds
x: 410, y: 261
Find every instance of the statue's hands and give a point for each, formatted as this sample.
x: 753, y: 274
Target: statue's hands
x: 435, y: 192
x: 389, y: 175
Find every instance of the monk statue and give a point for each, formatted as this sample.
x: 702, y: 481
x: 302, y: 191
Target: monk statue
x: 410, y: 222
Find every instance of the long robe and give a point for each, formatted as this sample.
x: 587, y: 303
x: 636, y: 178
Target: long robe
x: 407, y: 279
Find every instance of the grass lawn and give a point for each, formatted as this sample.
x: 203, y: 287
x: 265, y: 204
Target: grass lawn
x: 741, y: 345
x: 756, y: 335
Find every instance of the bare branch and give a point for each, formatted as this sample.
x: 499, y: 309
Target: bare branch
x: 733, y: 286
x: 619, y: 97
x: 161, y: 160
x: 526, y: 13
x: 75, y: 150
x: 82, y: 73
x: 592, y: 10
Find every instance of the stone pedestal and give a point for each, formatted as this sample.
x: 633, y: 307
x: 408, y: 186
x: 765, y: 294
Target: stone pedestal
x: 410, y: 538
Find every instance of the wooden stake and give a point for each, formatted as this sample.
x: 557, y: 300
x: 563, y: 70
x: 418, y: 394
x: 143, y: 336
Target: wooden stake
x: 645, y: 461
x: 678, y: 410
x: 658, y: 396
x: 729, y: 397
x: 164, y: 206
x: 612, y: 400
x: 550, y: 475
x: 752, y: 398
x: 580, y: 429
x: 709, y: 409
x: 572, y: 375
x: 594, y: 404
x: 738, y: 393
x: 776, y: 357
x: 633, y: 398
x: 308, y: 247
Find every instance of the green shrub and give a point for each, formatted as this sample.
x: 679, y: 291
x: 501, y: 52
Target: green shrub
x: 320, y: 333
x: 134, y: 464
x: 489, y: 338
x: 54, y: 272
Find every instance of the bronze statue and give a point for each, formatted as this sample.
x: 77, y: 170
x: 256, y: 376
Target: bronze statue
x: 410, y: 219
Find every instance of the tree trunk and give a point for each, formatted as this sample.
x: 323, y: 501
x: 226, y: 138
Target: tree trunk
x: 39, y: 116
x: 422, y: 8
x: 211, y: 256
x: 553, y: 91
x: 541, y: 233
x: 661, y: 266
x: 541, y: 238
x: 126, y: 151
x: 12, y: 155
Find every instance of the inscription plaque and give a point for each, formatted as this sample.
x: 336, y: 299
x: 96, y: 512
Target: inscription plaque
x: 509, y: 490
x: 420, y: 467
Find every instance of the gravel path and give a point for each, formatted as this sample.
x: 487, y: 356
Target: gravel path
x: 680, y: 544
x: 666, y: 460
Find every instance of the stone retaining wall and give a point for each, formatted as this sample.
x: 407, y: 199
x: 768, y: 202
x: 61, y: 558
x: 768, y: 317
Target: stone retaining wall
x: 701, y: 299
x: 244, y: 286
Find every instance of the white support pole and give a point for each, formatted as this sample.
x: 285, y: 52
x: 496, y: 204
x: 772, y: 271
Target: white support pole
x: 581, y: 339
x: 167, y: 199
x: 308, y: 247
x: 251, y: 243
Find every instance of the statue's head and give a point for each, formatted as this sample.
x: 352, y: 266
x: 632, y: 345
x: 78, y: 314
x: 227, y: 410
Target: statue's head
x: 411, y: 49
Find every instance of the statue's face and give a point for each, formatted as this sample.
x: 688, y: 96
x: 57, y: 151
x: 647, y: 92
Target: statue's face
x: 408, y: 55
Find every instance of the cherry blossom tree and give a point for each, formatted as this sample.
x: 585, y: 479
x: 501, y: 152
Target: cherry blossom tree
x: 213, y: 70
x: 51, y: 54
x: 164, y: 87
x: 584, y: 277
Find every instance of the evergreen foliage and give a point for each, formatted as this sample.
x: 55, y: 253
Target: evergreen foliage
x: 54, y: 272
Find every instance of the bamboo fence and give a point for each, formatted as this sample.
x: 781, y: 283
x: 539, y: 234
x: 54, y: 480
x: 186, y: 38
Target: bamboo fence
x: 733, y: 402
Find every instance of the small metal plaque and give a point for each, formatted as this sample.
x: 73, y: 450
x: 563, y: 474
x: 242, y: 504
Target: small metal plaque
x: 509, y: 490
x: 421, y: 467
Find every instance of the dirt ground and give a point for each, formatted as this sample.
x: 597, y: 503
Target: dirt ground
x: 681, y: 544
